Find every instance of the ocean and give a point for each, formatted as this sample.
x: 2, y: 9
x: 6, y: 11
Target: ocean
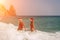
x: 46, y: 28
x: 44, y: 23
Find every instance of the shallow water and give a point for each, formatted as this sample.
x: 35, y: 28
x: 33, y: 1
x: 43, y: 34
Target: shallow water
x: 44, y: 23
x: 48, y: 28
x: 9, y: 32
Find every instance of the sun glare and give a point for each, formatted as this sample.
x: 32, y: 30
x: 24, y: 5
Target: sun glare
x: 2, y: 1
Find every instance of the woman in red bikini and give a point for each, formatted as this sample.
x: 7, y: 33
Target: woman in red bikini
x: 32, y: 24
x: 21, y: 24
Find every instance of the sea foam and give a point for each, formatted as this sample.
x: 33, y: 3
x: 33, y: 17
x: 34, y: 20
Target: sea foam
x: 10, y: 32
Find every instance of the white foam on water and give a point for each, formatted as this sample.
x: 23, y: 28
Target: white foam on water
x: 9, y: 32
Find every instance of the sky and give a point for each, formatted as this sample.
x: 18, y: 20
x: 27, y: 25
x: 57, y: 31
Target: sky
x: 35, y: 7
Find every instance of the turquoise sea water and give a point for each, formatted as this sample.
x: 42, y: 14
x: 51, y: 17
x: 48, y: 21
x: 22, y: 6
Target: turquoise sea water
x: 45, y: 23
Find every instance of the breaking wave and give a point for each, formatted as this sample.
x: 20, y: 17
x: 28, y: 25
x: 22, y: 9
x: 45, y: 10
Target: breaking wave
x: 9, y: 32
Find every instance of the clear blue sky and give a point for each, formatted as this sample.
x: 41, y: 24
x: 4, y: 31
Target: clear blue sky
x: 36, y: 7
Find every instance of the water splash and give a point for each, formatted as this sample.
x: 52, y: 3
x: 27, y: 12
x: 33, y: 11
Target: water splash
x: 9, y: 32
